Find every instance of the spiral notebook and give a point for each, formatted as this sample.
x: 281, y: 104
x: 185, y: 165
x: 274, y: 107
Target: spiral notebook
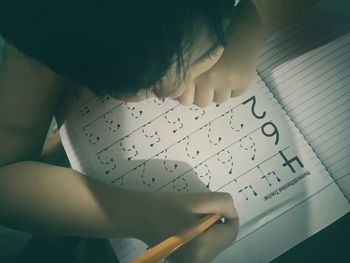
x: 281, y: 149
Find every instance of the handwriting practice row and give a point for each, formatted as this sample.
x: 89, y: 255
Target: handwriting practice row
x: 244, y: 147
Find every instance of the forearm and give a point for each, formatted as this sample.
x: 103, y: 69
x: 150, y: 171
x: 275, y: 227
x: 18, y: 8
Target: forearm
x: 253, y: 22
x: 42, y: 198
x: 264, y: 17
x: 275, y: 14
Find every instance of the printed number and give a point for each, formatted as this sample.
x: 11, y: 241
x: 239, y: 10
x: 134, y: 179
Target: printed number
x: 190, y: 153
x: 135, y: 113
x: 176, y: 124
x: 268, y: 177
x: 147, y: 179
x: 82, y: 111
x: 247, y: 144
x: 248, y: 189
x: 169, y: 166
x: 151, y: 135
x: 108, y: 161
x: 210, y: 136
x: 253, y: 99
x: 180, y: 184
x: 203, y: 172
x: 233, y: 124
x: 88, y: 131
x: 198, y: 111
x: 274, y: 131
x: 225, y: 157
x: 131, y: 150
x: 110, y: 121
x: 290, y: 161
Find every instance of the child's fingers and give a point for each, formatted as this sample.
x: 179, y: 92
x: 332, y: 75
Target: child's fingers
x: 227, y: 233
x: 208, y: 203
x: 217, y: 238
x: 204, y: 95
x: 187, y: 97
x: 222, y: 95
x: 209, y: 244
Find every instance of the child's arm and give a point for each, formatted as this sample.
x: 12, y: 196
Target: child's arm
x: 43, y: 198
x: 38, y: 197
x: 274, y: 14
x: 253, y: 21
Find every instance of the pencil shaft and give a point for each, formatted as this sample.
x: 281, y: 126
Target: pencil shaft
x: 169, y: 245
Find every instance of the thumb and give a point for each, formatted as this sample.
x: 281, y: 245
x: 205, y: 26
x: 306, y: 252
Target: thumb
x: 207, y: 203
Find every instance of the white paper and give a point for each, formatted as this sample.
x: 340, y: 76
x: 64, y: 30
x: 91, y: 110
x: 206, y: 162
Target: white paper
x: 307, y: 68
x: 247, y: 147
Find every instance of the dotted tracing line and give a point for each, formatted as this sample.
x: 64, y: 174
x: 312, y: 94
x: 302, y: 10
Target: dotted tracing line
x: 252, y: 146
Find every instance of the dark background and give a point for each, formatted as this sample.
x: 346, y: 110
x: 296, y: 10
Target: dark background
x: 332, y: 244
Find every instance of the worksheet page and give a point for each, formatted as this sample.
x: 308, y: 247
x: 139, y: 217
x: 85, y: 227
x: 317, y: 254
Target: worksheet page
x: 307, y: 67
x: 247, y: 147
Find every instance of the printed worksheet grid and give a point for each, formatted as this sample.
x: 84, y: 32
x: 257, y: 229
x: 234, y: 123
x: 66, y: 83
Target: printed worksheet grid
x: 158, y: 145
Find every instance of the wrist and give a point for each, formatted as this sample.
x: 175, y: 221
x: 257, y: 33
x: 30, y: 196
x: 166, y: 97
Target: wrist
x: 260, y: 12
x: 163, y: 214
x: 251, y: 22
x: 151, y: 210
x: 127, y: 209
x: 246, y: 34
x: 140, y: 214
x: 275, y: 14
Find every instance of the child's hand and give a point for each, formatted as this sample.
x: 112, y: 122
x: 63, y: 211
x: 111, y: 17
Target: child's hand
x: 172, y: 212
x: 253, y: 23
x: 225, y: 73
x: 230, y: 71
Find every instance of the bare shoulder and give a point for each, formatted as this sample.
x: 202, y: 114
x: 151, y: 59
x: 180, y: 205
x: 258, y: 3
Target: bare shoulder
x: 29, y: 95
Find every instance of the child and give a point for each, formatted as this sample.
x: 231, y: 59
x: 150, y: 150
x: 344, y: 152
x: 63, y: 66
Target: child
x: 193, y: 51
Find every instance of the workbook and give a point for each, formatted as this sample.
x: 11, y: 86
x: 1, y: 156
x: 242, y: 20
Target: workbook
x: 281, y: 149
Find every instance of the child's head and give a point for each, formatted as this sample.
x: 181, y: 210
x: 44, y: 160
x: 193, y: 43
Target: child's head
x: 116, y: 47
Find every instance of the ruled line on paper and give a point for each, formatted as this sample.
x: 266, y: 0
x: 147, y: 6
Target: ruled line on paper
x: 280, y: 47
x: 301, y: 78
x: 331, y: 124
x: 308, y: 56
x: 314, y: 94
x: 331, y: 103
x: 307, y: 62
x: 314, y: 89
x: 288, y: 51
x: 310, y: 59
x: 279, y: 38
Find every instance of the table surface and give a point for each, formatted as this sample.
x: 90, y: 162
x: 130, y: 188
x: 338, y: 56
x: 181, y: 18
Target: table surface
x: 332, y: 244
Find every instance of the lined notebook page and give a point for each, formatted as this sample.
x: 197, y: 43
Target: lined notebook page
x: 307, y: 67
x: 247, y: 147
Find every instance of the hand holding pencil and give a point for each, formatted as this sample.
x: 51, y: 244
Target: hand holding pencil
x: 201, y: 239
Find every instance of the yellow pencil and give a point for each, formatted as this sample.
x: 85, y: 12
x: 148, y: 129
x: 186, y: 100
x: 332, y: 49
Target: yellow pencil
x: 169, y: 245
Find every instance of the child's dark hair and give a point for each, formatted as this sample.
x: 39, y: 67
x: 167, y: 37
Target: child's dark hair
x: 113, y: 47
